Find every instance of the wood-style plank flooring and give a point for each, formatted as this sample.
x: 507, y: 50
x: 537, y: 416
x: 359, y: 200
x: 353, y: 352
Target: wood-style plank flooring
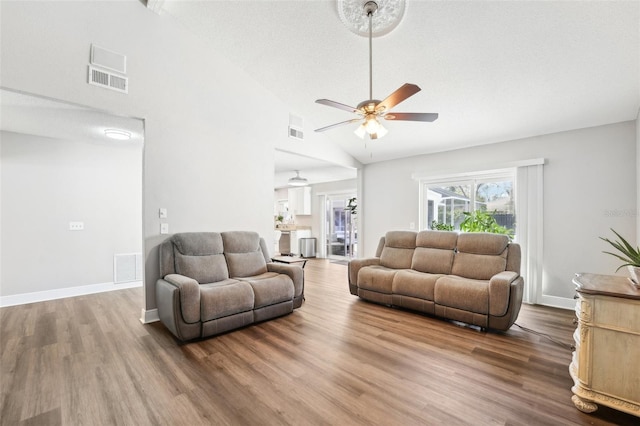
x: 335, y: 361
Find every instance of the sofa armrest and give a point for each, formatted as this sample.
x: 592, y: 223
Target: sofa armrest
x: 295, y: 272
x: 189, y: 296
x: 355, y: 265
x: 499, y: 289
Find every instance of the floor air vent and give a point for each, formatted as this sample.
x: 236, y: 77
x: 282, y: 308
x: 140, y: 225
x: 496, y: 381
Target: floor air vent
x: 127, y: 268
x: 108, y: 80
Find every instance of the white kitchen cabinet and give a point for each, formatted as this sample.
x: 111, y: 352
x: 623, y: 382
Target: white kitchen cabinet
x: 300, y: 200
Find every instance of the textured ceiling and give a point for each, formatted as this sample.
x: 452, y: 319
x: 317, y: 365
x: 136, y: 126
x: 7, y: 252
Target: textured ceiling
x: 494, y: 71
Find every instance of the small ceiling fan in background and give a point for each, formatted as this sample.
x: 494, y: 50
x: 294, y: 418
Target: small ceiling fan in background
x: 370, y: 110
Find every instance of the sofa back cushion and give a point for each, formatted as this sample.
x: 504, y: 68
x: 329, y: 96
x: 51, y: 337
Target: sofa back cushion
x: 398, y: 249
x: 199, y: 255
x: 480, y: 255
x: 434, y: 251
x: 243, y: 251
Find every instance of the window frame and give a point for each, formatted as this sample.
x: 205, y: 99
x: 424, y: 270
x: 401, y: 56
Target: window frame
x: 471, y: 178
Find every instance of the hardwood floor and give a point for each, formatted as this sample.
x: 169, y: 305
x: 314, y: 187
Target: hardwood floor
x: 335, y: 361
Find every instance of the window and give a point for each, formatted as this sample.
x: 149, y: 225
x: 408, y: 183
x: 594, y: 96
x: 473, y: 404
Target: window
x: 449, y: 201
x: 512, y: 193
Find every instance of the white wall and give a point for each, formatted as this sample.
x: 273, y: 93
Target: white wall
x: 589, y: 187
x: 47, y: 183
x: 205, y: 159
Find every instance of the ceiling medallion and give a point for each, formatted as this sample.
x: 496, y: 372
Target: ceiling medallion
x: 388, y: 15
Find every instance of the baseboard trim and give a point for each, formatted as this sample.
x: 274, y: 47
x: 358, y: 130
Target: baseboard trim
x: 62, y: 293
x: 558, y: 302
x: 149, y: 316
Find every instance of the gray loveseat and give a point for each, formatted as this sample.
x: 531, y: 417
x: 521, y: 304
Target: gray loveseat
x: 468, y: 277
x: 215, y: 282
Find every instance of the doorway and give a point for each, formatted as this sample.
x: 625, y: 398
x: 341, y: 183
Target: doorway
x: 71, y: 199
x: 341, y: 227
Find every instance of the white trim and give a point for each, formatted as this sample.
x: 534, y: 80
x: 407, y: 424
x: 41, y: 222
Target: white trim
x: 62, y: 293
x: 477, y: 170
x: 557, y: 302
x: 149, y: 316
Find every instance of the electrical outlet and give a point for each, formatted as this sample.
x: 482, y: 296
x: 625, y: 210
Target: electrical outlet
x: 412, y: 225
x: 76, y: 226
x: 162, y: 213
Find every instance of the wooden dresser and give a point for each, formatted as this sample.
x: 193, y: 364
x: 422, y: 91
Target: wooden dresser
x: 606, y: 362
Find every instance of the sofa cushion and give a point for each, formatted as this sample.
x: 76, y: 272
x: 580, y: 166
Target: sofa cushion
x: 204, y: 269
x: 480, y: 255
x: 377, y: 278
x: 198, y: 255
x: 240, y: 241
x: 431, y: 260
x: 198, y: 243
x: 225, y: 298
x: 244, y: 254
x: 482, y: 243
x: 415, y: 284
x: 398, y: 249
x: 445, y: 240
x: 270, y: 288
x: 462, y: 293
x: 246, y: 264
x: 434, y: 251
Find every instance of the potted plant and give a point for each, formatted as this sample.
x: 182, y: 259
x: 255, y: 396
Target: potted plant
x: 626, y: 253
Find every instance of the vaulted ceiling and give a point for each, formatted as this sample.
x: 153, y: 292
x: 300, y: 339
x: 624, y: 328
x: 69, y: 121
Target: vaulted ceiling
x: 493, y: 70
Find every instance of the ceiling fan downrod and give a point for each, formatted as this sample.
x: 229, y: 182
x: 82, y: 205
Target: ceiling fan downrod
x: 370, y: 8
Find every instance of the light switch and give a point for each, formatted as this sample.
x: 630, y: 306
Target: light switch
x: 162, y: 213
x: 164, y: 228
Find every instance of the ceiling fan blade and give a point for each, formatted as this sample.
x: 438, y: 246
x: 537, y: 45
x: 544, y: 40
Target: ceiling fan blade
x: 411, y: 116
x: 398, y: 96
x: 353, y: 120
x: 338, y: 105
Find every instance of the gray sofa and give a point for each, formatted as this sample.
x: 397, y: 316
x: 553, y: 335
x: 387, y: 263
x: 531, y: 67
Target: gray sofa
x: 215, y: 282
x: 468, y: 277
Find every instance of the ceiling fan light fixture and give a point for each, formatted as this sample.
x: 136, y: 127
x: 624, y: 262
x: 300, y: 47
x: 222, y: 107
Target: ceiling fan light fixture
x: 381, y: 132
x: 371, y: 124
x: 360, y: 131
x: 297, y: 180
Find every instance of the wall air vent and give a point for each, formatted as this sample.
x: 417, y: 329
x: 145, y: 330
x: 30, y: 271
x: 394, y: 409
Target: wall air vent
x: 127, y: 268
x: 296, y: 124
x: 108, y: 80
x: 295, y: 133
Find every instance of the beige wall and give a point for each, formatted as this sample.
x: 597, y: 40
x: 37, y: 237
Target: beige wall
x: 589, y: 187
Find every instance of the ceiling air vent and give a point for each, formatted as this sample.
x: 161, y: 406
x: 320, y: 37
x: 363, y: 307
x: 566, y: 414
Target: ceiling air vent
x: 108, y: 80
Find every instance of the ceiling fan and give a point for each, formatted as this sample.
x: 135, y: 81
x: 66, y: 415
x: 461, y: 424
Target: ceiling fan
x: 371, y: 110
